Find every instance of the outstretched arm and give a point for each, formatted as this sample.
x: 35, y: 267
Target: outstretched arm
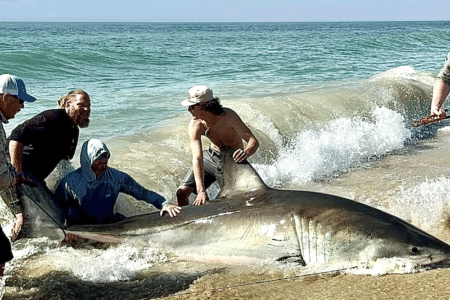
x: 195, y: 130
x: 16, y: 152
x: 133, y: 188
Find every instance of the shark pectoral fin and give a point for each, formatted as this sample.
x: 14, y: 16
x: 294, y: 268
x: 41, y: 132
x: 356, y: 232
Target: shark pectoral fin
x: 87, y: 237
x: 292, y: 259
x: 285, y: 244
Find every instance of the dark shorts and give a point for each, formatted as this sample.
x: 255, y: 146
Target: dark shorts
x: 5, y: 248
x: 212, y: 164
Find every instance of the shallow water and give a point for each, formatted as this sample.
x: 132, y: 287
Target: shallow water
x: 331, y: 104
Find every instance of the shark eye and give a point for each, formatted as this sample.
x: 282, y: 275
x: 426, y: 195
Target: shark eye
x: 414, y: 250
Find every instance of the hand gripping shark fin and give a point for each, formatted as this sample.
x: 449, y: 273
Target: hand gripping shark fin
x: 238, y: 178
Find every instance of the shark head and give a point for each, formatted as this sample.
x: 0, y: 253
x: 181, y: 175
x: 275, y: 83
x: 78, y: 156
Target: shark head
x: 409, y: 242
x: 331, y: 228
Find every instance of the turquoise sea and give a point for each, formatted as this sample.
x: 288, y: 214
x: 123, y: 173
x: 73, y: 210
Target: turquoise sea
x: 331, y: 103
x: 137, y: 73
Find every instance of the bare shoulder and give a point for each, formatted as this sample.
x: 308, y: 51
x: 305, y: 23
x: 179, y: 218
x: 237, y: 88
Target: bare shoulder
x: 196, y: 127
x: 195, y: 123
x: 234, y: 120
x: 230, y: 114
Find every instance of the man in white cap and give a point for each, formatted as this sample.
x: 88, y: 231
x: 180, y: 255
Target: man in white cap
x: 12, y: 97
x: 223, y: 127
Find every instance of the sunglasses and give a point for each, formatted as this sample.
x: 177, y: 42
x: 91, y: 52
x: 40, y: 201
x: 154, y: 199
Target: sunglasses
x: 20, y: 101
x: 191, y: 108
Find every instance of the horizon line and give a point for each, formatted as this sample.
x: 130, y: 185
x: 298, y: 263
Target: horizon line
x: 336, y: 21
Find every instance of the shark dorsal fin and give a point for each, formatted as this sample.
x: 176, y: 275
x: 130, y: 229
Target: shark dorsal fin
x: 238, y: 178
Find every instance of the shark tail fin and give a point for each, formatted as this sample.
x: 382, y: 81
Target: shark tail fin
x: 42, y: 213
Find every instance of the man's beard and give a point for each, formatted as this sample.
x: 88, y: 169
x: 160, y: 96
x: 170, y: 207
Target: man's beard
x: 84, y: 123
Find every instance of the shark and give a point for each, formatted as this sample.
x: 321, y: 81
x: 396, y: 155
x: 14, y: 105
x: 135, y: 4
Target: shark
x: 249, y: 221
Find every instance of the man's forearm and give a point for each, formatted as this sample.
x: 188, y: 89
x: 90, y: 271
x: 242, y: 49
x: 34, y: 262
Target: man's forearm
x: 16, y: 152
x: 197, y: 168
x: 252, y: 146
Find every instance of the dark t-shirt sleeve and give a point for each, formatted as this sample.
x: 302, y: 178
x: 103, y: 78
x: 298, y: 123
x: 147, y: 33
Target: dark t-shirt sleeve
x: 25, y: 132
x: 48, y: 137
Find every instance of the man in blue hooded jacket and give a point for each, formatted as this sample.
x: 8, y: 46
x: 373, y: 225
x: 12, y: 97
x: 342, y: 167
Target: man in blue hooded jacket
x: 89, y: 193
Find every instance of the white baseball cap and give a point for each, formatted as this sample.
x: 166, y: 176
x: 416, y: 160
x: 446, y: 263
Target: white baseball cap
x: 13, y: 85
x: 198, y: 94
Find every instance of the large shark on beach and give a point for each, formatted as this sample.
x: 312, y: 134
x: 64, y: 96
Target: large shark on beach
x: 252, y: 222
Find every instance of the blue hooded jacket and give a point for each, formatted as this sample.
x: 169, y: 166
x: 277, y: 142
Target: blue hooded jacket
x: 90, y: 200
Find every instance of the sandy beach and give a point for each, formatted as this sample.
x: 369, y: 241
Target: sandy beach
x: 432, y: 284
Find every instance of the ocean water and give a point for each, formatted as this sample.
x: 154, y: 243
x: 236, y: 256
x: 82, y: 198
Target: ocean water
x: 331, y: 104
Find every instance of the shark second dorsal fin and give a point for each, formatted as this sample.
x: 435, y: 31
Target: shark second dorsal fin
x: 238, y: 178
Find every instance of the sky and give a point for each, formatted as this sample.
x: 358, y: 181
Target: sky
x: 223, y: 10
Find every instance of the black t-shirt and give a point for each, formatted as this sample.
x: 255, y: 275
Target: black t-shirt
x: 48, y: 137
x: 5, y: 248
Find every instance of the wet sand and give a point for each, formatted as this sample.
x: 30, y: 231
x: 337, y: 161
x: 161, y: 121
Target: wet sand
x: 432, y: 284
x: 40, y: 280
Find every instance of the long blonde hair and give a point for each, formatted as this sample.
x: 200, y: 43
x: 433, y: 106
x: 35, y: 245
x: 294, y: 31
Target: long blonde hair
x: 64, y: 100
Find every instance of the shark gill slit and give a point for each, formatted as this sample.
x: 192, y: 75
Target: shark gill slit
x: 312, y: 242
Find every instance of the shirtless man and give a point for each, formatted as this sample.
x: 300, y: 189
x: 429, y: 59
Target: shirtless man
x: 223, y: 127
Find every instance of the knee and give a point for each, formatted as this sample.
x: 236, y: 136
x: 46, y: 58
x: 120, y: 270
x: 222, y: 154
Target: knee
x: 183, y: 193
